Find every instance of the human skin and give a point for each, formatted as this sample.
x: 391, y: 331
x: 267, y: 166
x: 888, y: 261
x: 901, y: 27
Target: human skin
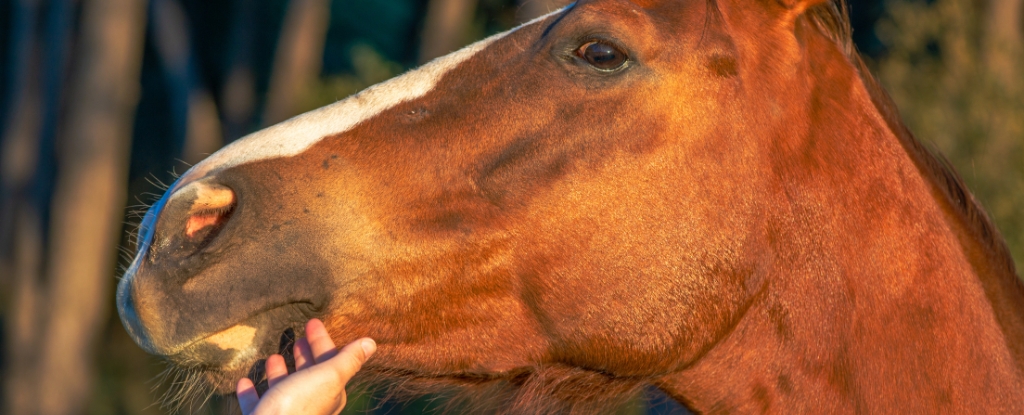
x: 318, y: 385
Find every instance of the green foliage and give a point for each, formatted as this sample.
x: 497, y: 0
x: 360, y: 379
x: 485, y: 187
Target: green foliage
x: 958, y: 87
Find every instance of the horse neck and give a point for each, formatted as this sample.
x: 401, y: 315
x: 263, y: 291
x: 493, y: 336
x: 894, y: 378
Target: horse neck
x: 880, y: 293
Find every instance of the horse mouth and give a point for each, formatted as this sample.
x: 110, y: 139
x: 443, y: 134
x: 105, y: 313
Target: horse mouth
x: 241, y: 350
x: 223, y: 380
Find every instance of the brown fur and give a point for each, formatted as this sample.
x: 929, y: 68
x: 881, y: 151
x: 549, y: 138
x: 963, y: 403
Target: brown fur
x: 739, y: 218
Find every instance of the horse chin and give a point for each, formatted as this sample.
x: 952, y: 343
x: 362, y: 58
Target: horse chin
x: 220, y: 372
x: 224, y: 381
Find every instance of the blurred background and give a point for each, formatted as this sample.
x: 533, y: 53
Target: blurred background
x: 102, y: 101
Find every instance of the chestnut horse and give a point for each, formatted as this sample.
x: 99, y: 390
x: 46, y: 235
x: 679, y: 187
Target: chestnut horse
x: 713, y: 197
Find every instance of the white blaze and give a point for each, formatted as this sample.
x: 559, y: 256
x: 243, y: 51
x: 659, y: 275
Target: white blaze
x: 297, y: 134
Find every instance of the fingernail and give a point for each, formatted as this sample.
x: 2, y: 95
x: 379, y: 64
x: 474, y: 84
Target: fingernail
x: 368, y: 347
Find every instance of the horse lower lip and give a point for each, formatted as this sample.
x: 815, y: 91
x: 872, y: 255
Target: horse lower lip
x: 224, y: 382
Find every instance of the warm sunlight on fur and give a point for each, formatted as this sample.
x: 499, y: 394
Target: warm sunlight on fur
x: 714, y: 198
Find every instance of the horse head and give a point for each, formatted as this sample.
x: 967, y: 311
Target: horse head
x: 620, y: 193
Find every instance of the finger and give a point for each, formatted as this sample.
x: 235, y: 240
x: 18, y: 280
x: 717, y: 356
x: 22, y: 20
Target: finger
x: 277, y: 370
x: 247, y: 397
x: 351, y: 358
x: 320, y: 342
x: 303, y: 354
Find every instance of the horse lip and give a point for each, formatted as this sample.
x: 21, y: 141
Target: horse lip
x: 179, y: 353
x: 126, y: 307
x: 130, y: 319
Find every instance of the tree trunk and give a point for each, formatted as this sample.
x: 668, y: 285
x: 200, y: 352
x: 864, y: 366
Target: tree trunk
x: 22, y: 228
x: 21, y: 393
x: 20, y: 120
x: 298, y: 58
x: 88, y: 201
x: 445, y: 26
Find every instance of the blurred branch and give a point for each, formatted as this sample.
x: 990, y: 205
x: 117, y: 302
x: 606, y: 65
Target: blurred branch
x: 445, y: 27
x: 298, y: 58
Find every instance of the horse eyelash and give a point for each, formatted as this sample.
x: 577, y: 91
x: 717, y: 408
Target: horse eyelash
x: 220, y: 211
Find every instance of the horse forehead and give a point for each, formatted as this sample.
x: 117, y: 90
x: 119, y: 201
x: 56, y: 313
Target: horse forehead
x: 298, y: 134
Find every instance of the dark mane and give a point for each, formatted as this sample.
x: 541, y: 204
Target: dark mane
x: 541, y: 389
x: 833, y: 20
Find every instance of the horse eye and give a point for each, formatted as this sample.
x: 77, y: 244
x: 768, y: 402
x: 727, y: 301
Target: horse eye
x: 601, y: 55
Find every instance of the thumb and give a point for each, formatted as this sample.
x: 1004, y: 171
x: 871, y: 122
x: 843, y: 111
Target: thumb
x: 351, y: 358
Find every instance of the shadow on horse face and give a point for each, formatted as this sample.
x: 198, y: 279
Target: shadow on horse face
x: 574, y: 208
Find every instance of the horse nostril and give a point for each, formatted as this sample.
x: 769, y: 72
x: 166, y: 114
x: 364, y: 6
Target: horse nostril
x: 211, y: 207
x: 191, y: 218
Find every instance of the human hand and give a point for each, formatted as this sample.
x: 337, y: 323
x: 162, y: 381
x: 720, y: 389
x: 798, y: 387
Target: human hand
x: 318, y: 385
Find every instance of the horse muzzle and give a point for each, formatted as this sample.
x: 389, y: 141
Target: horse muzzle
x: 202, y: 291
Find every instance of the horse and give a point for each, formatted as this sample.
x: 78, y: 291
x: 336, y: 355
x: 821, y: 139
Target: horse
x: 714, y: 198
